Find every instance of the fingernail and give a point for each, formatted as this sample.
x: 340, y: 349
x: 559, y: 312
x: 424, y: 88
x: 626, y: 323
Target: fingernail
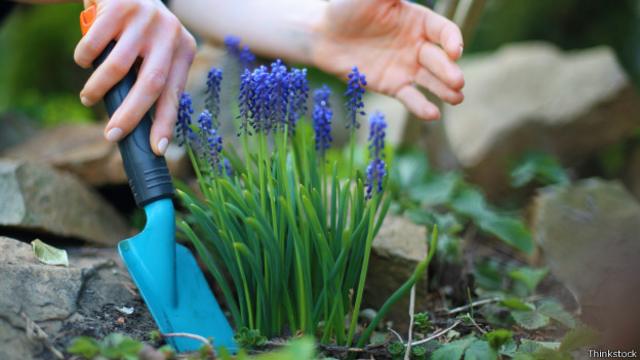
x: 114, y: 134
x: 461, y: 50
x: 162, y: 145
x: 85, y: 101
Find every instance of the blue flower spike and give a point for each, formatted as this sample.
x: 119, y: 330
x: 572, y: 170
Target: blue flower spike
x: 376, y: 171
x: 183, y: 128
x: 241, y: 53
x: 355, y: 92
x: 212, y: 94
x: 321, y: 117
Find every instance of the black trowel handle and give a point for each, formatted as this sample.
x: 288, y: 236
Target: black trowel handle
x: 148, y: 174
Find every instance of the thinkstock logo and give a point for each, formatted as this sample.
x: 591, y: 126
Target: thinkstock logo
x: 612, y: 354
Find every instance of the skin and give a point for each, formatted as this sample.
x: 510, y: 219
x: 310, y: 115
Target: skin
x: 399, y: 46
x: 143, y: 29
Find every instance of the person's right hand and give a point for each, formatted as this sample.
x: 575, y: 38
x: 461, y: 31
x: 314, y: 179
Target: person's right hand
x: 143, y: 29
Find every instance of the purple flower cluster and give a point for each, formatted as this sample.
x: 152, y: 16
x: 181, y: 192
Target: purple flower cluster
x: 376, y: 170
x: 210, y: 148
x: 354, y: 93
x: 272, y: 98
x: 321, y: 117
x: 183, y: 128
x: 212, y: 94
x: 241, y: 53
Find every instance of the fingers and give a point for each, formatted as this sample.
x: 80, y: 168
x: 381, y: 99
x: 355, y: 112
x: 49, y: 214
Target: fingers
x: 443, y: 31
x: 101, y: 32
x: 114, y: 68
x: 167, y: 105
x: 417, y: 103
x: 149, y: 84
x: 436, y: 61
x: 429, y: 81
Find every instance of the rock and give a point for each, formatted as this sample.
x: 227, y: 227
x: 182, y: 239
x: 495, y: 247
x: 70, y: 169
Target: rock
x: 65, y: 302
x: 589, y: 236
x: 532, y: 96
x: 15, y: 129
x: 632, y: 173
x: 397, y: 249
x: 82, y: 150
x: 37, y: 198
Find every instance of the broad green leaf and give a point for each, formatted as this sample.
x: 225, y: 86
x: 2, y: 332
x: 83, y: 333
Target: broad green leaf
x: 470, y: 202
x: 119, y: 346
x: 84, y: 346
x: 437, y: 190
x: 301, y: 349
x: 516, y: 304
x: 554, y: 310
x: 498, y: 337
x: 541, y: 168
x: 531, y: 346
x: 509, y: 348
x: 529, y: 277
x: 578, y: 338
x: 510, y: 230
x: 530, y: 320
x: 453, y: 350
x: 48, y: 254
x: 410, y: 169
x: 480, y: 350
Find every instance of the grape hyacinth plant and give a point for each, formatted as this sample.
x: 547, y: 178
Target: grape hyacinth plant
x: 286, y: 239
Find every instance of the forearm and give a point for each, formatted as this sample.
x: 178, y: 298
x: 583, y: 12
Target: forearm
x: 45, y: 1
x: 272, y: 28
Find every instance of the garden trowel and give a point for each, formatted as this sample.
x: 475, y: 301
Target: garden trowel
x: 166, y: 273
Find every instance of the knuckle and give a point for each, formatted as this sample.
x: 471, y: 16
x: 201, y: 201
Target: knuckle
x: 190, y: 47
x: 155, y: 80
x: 118, y: 69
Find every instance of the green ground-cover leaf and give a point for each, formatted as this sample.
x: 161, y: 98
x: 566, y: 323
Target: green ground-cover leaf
x: 541, y: 168
x: 453, y: 350
x: 529, y: 277
x: 480, y: 350
x: 530, y: 319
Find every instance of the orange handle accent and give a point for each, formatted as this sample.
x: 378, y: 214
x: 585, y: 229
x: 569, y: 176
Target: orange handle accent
x: 87, y: 17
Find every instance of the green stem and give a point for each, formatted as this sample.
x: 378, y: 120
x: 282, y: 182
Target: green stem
x: 402, y: 290
x: 363, y: 276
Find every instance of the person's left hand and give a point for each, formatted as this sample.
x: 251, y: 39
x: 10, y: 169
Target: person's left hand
x: 397, y: 45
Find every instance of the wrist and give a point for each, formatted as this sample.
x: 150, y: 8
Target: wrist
x: 310, y: 25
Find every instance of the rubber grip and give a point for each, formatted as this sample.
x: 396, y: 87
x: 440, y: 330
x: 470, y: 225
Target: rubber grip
x: 148, y: 175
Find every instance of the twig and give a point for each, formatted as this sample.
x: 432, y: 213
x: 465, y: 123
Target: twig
x: 436, y: 335
x: 397, y: 335
x: 473, y: 321
x: 202, y: 339
x: 472, y: 305
x: 34, y: 331
x: 412, y: 303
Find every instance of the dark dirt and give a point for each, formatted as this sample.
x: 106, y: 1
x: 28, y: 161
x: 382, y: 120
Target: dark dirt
x: 107, y: 320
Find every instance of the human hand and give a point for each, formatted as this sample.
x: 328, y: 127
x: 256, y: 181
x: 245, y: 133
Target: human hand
x: 397, y: 45
x: 143, y: 29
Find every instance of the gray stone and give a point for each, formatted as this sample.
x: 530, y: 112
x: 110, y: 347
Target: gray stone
x: 64, y: 301
x: 15, y: 129
x: 37, y: 198
x: 632, y: 173
x: 396, y: 251
x: 82, y: 150
x: 532, y: 96
x: 590, y: 236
